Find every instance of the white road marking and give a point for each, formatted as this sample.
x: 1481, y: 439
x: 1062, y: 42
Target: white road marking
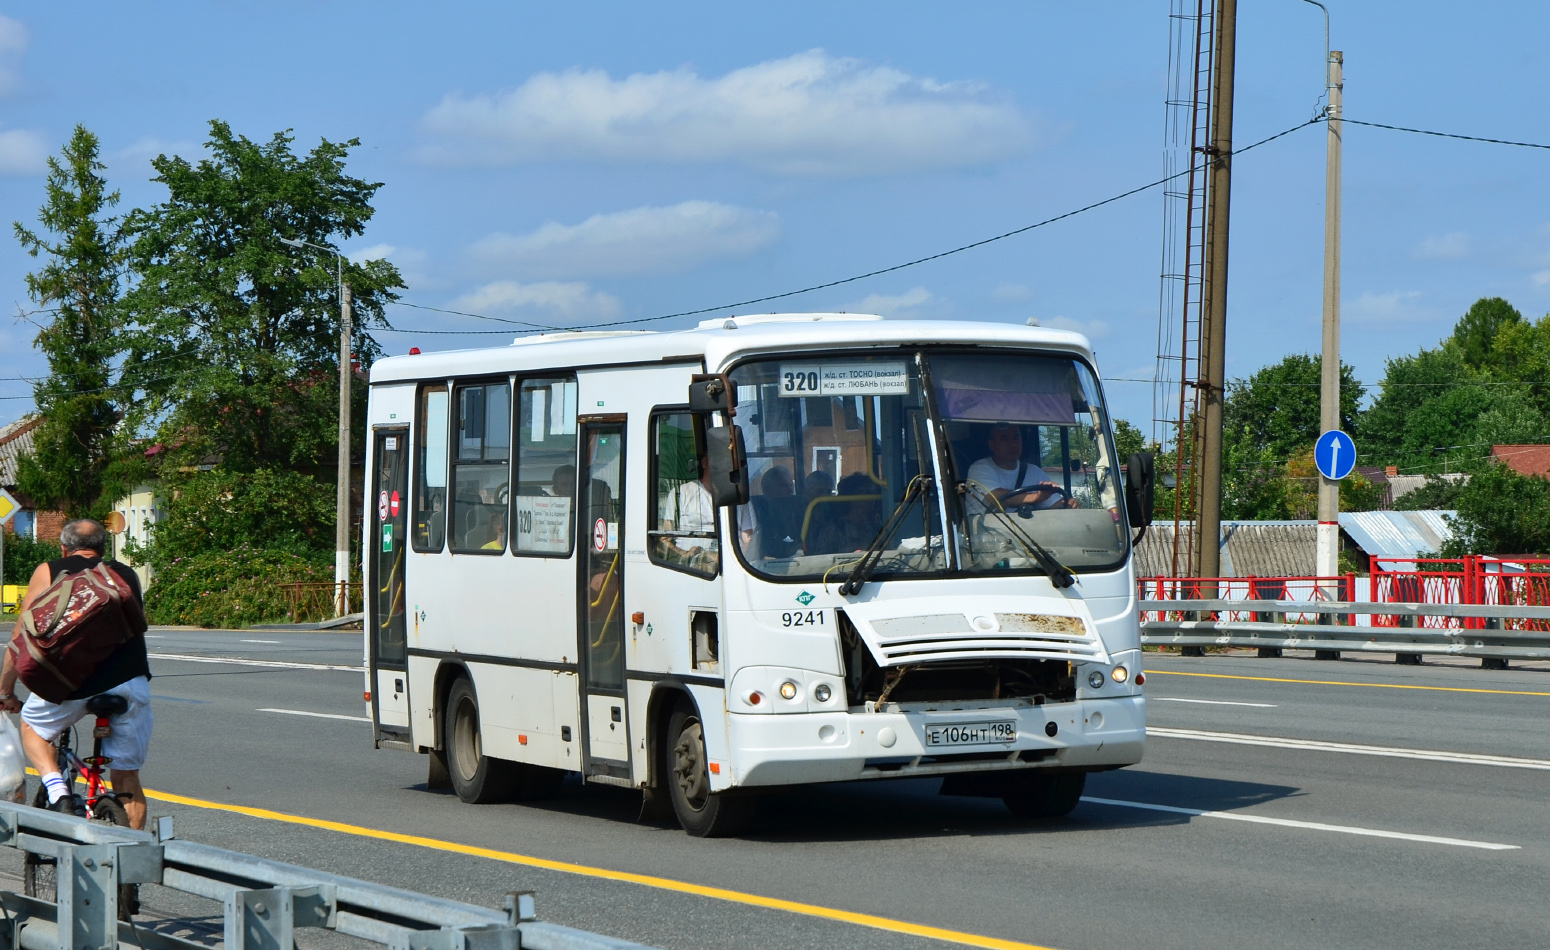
x: 1307, y: 825
x: 1204, y: 702
x: 154, y: 636
x: 242, y: 661
x: 1462, y: 758
x: 258, y: 641
x: 316, y: 715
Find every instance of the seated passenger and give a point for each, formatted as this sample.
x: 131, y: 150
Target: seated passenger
x: 1009, y: 478
x: 563, y: 482
x: 842, y: 527
x: 779, y: 513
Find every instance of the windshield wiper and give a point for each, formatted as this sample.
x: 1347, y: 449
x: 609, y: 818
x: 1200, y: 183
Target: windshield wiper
x: 873, y: 554
x: 1059, y: 574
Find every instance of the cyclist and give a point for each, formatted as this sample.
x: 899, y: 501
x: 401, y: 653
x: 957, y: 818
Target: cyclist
x: 126, y: 672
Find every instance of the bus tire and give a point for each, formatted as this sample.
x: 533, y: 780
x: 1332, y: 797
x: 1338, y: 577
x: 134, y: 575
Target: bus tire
x: 1044, y: 795
x: 477, y: 778
x: 702, y: 812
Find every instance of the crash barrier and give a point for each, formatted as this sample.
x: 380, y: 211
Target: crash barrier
x: 265, y: 901
x: 1495, y: 633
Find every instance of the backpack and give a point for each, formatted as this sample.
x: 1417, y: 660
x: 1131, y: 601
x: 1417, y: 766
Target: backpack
x: 71, y: 628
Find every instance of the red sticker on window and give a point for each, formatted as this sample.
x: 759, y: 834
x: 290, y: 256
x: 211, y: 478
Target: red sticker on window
x: 600, y: 535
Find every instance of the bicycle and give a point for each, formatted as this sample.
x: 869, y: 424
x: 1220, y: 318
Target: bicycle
x: 40, y: 875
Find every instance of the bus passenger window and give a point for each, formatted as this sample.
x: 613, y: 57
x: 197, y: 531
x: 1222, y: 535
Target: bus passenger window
x: 683, y: 520
x: 480, y: 476
x: 546, y: 468
x: 430, y: 470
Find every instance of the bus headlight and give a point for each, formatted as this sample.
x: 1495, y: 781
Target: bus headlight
x: 788, y: 690
x: 1095, y: 679
x: 821, y: 692
x: 1120, y: 674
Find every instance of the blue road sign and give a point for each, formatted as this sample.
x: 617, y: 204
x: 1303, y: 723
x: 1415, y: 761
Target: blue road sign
x: 1334, y: 454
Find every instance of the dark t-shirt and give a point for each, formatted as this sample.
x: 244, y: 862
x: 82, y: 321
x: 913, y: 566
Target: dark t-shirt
x: 129, y: 660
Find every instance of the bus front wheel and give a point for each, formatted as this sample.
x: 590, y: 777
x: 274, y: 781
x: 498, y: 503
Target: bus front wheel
x: 702, y: 812
x: 477, y: 778
x: 1044, y: 795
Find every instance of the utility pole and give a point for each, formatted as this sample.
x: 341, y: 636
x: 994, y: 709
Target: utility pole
x: 1213, y: 334
x: 342, y: 499
x: 1327, y: 552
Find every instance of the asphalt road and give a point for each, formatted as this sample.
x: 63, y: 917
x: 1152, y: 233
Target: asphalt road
x: 1282, y: 803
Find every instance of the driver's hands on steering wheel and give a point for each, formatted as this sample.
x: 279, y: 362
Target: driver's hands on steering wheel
x: 1040, y: 493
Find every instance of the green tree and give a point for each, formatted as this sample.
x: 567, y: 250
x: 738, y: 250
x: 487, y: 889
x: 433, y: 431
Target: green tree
x: 235, y: 334
x: 216, y: 511
x: 79, y: 283
x: 1277, y: 408
x: 1501, y: 512
x: 1477, y: 329
x: 1127, y: 441
x: 1435, y: 493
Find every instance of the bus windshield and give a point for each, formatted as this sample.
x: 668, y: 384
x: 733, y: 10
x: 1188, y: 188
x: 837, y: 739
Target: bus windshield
x: 835, y: 443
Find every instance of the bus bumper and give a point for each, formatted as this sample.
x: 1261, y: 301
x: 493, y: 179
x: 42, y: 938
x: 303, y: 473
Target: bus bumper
x: 844, y: 746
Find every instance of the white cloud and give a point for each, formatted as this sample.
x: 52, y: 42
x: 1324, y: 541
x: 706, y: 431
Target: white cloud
x: 1091, y: 328
x: 1011, y: 293
x: 1444, y: 247
x: 641, y: 240
x: 148, y: 147
x: 13, y: 42
x: 808, y: 114
x: 907, y: 304
x: 1394, y: 306
x: 22, y: 152
x: 1542, y: 278
x: 569, y: 300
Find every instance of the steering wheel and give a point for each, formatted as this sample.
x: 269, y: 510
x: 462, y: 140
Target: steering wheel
x: 1026, y: 511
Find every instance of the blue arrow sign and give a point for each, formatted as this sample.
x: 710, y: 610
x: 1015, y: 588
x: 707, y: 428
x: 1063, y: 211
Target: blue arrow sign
x: 1334, y: 454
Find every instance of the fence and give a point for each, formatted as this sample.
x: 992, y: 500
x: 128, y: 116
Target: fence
x: 265, y: 901
x: 314, y: 601
x: 1493, y: 632
x: 1284, y: 590
x: 1519, y: 582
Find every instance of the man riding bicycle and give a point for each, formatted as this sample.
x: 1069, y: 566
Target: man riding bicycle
x: 126, y: 672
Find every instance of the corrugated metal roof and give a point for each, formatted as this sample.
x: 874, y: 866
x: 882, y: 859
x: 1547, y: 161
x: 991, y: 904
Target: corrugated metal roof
x: 15, y: 441
x: 1397, y: 533
x: 1249, y: 549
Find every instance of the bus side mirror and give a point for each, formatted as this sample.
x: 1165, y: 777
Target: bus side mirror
x: 712, y: 393
x: 727, y: 465
x: 1140, y: 489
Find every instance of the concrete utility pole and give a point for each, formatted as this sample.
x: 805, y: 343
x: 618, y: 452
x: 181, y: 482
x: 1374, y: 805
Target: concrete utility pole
x: 1213, y: 334
x: 342, y: 499
x: 1327, y: 553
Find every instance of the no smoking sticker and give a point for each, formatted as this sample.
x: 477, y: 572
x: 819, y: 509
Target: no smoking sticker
x: 600, y: 535
x: 382, y: 506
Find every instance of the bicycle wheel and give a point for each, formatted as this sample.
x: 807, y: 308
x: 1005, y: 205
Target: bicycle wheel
x: 109, y: 810
x: 40, y: 878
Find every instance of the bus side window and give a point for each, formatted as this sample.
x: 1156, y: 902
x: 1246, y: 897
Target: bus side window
x: 480, y: 473
x: 430, y: 470
x: 682, y: 519
x: 545, y: 491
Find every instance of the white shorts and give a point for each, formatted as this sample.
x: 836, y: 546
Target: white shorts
x: 131, y: 737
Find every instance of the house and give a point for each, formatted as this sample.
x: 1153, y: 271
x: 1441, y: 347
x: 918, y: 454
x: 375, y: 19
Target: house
x: 15, y: 442
x: 1286, y: 548
x: 1524, y: 459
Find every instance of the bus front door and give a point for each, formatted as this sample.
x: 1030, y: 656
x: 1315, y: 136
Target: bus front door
x: 384, y: 596
x: 604, y: 730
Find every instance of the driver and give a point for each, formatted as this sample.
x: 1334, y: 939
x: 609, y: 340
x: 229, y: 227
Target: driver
x: 1013, y: 480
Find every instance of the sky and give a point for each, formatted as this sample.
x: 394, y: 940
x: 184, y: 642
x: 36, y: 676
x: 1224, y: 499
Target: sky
x: 572, y: 164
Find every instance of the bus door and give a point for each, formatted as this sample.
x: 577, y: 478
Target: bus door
x: 600, y: 532
x: 387, y: 542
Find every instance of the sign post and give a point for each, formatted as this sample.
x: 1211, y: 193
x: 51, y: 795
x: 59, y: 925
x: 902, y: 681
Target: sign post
x: 1334, y: 454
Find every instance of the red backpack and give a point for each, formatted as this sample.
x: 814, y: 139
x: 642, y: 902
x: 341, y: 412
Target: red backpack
x: 74, y: 625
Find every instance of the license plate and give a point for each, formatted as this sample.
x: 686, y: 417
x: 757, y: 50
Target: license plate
x: 970, y: 733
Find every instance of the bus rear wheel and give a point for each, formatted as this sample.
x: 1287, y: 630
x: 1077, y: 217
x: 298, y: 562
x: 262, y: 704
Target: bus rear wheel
x: 702, y: 812
x: 477, y: 778
x: 1046, y: 795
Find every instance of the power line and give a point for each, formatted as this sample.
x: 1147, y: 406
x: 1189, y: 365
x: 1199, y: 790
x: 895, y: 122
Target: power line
x: 1444, y: 135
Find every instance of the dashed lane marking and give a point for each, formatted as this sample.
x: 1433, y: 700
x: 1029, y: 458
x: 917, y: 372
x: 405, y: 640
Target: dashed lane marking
x: 1207, y: 702
x: 662, y: 883
x: 244, y: 661
x: 1277, y: 742
x: 315, y: 715
x: 1305, y: 825
x: 258, y: 641
x: 1284, y: 679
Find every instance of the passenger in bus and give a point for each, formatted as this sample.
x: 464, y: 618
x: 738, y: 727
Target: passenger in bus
x: 498, y: 527
x: 563, y: 482
x: 1009, y: 478
x: 841, y: 527
x: 779, y: 513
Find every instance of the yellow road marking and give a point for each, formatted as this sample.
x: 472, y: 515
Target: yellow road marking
x: 1279, y: 679
x: 666, y: 884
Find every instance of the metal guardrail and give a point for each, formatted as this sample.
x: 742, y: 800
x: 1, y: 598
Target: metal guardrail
x: 1495, y: 644
x: 265, y: 901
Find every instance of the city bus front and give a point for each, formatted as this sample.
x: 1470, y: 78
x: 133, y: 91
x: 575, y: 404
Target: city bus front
x: 933, y: 575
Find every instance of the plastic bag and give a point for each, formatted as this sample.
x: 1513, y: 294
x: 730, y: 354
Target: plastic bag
x: 13, y: 764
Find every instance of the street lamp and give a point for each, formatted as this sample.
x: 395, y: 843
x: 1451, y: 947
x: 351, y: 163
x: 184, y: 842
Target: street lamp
x: 342, y: 496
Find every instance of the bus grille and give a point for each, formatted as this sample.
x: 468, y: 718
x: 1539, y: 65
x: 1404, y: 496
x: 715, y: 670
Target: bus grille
x: 919, y: 639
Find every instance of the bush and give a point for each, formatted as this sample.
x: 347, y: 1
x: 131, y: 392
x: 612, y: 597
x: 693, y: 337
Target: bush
x: 218, y: 511
x: 24, y: 554
x: 233, y: 588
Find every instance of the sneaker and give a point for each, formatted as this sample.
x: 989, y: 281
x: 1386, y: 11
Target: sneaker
x: 65, y: 806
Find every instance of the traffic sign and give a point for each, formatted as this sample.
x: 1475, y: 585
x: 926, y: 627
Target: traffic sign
x: 8, y: 506
x: 1334, y: 454
x: 393, y: 505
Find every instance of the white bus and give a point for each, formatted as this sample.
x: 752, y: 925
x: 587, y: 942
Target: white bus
x: 768, y: 551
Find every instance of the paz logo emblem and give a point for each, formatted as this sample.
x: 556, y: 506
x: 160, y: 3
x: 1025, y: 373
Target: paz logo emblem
x: 805, y: 598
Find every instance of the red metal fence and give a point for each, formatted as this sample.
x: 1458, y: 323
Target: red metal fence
x: 1243, y: 588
